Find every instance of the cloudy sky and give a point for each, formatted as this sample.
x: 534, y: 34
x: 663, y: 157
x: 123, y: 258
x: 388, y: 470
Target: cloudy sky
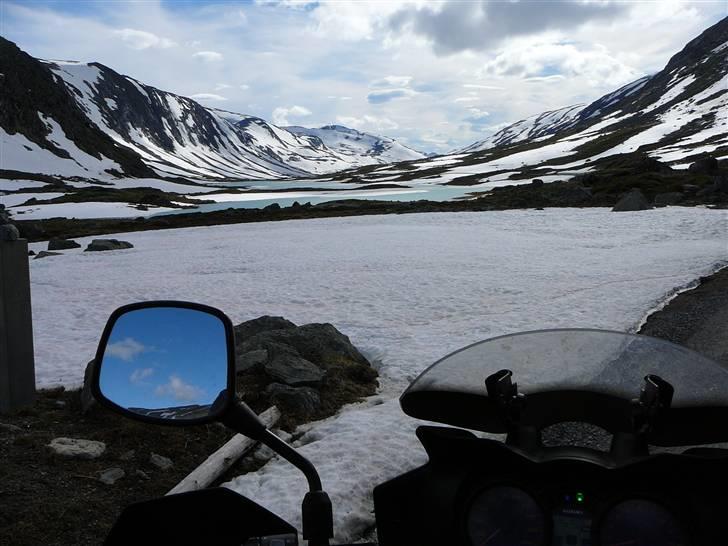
x: 436, y: 75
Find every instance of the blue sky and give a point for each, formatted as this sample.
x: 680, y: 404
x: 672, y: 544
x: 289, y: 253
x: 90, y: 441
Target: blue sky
x: 436, y: 75
x: 162, y: 357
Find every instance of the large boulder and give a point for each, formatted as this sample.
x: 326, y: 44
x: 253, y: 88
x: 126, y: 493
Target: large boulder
x: 107, y: 244
x: 633, y: 201
x: 308, y: 371
x: 62, y: 244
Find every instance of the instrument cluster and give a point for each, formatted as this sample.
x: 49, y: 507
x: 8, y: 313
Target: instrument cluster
x: 508, y: 514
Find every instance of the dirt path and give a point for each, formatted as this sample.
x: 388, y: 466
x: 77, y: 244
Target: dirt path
x: 697, y: 319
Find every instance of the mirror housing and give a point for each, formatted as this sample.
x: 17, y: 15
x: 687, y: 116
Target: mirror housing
x: 185, y: 353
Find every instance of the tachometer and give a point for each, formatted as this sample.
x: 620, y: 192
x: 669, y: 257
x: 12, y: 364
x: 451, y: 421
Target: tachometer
x: 641, y: 522
x: 506, y: 516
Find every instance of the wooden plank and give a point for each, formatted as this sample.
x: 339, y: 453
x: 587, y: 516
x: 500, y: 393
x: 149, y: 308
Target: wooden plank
x: 217, y: 463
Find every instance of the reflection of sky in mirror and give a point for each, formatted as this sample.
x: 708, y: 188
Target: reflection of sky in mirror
x: 165, y: 357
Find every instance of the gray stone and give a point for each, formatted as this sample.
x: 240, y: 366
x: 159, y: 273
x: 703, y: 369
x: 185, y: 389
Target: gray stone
x: 633, y: 201
x: 111, y: 475
x: 250, y: 360
x: 9, y: 232
x: 143, y: 475
x: 45, y: 254
x: 537, y: 182
x: 62, y: 244
x: 107, y: 244
x: 87, y: 398
x: 668, y: 198
x: 163, y: 463
x: 292, y: 369
x: 60, y: 403
x: 31, y: 253
x: 299, y: 400
x: 77, y: 448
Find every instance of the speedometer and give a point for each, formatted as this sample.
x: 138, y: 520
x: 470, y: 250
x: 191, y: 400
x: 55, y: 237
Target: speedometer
x: 506, y: 516
x: 641, y: 522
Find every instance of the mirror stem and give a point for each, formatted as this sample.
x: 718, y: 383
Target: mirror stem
x: 318, y: 519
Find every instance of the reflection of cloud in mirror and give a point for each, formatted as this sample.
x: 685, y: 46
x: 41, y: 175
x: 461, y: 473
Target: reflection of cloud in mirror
x: 140, y: 374
x: 127, y: 349
x: 179, y: 390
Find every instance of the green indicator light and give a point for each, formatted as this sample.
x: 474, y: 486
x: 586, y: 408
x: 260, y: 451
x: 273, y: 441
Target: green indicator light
x: 580, y: 497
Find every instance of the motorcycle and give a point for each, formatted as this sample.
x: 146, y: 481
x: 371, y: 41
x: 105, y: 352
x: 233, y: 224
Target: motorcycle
x: 173, y: 363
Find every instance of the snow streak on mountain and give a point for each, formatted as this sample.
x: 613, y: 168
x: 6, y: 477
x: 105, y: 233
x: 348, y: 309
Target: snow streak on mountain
x: 168, y: 134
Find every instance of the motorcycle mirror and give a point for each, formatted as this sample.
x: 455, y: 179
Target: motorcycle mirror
x: 166, y: 363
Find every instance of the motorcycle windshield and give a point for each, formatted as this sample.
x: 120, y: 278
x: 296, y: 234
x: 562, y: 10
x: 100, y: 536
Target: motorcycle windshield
x: 580, y: 375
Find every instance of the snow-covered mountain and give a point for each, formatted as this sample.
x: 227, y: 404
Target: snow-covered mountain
x: 356, y: 144
x: 532, y: 128
x: 674, y: 116
x: 161, y: 133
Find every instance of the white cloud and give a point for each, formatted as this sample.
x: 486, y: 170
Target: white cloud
x: 207, y: 97
x: 127, y: 349
x: 467, y: 99
x: 280, y: 114
x: 371, y: 123
x: 244, y: 87
x: 179, y: 390
x: 549, y: 60
x: 208, y: 56
x: 485, y: 87
x: 140, y: 374
x: 222, y: 86
x: 140, y: 39
x: 392, y: 81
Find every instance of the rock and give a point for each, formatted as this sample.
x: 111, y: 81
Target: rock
x: 127, y: 455
x: 107, y: 244
x: 705, y: 165
x: 12, y: 429
x: 45, y: 254
x: 111, y: 476
x: 250, y: 360
x: 87, y: 398
x: 633, y: 201
x: 141, y: 474
x: 163, y: 463
x: 299, y: 400
x: 536, y: 182
x: 60, y: 403
x: 273, y: 206
x: 31, y: 253
x: 317, y: 343
x: 292, y: 369
x: 669, y: 198
x: 62, y: 244
x: 262, y: 324
x: 9, y: 232
x: 77, y: 448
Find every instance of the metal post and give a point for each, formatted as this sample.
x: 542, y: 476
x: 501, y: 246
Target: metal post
x: 17, y: 364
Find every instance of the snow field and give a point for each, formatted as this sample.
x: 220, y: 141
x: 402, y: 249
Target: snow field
x: 406, y: 289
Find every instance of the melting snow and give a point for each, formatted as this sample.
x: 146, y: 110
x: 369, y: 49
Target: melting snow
x: 408, y: 289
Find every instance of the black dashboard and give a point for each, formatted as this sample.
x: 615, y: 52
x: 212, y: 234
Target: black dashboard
x: 477, y: 492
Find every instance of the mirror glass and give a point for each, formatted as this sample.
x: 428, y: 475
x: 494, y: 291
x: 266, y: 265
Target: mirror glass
x: 165, y: 363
